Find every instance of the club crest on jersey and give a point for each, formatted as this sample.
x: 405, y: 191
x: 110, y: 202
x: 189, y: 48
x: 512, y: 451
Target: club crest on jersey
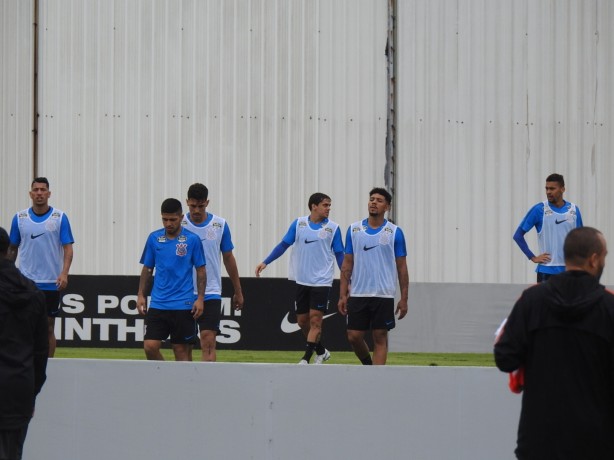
x: 302, y: 224
x: 23, y: 215
x: 182, y: 238
x: 358, y: 229
x: 217, y: 225
x: 182, y: 249
x: 211, y: 234
x: 55, y: 215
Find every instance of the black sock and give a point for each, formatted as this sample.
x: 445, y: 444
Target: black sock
x: 310, y: 347
x: 367, y: 360
x: 320, y: 348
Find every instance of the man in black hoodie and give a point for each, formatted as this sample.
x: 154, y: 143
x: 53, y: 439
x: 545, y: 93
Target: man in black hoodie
x: 561, y: 333
x: 23, y: 352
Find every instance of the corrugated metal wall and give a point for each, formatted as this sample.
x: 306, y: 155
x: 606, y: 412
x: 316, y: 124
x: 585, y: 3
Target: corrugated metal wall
x: 263, y: 101
x: 267, y: 101
x: 16, y: 106
x: 493, y: 97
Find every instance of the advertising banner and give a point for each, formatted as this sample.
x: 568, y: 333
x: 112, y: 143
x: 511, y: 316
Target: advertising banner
x: 100, y: 311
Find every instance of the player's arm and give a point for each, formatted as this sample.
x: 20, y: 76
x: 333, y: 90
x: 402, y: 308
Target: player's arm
x: 532, y: 219
x: 403, y: 275
x: 579, y: 222
x: 276, y: 253
x: 344, y: 282
x: 145, y: 282
x: 201, y: 282
x: 62, y: 280
x: 15, y: 240
x: 233, y: 273
x: 337, y: 247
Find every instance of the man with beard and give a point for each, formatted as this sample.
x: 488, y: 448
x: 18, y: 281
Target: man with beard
x: 553, y: 219
x: 561, y: 334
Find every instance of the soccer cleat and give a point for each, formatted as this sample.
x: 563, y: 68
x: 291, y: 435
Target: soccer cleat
x: 303, y: 361
x: 323, y: 357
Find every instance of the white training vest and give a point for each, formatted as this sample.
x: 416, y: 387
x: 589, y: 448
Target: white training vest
x: 375, y: 270
x: 211, y: 238
x: 555, y: 228
x: 312, y: 259
x: 41, y: 254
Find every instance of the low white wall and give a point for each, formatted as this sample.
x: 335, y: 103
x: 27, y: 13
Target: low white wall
x: 97, y: 409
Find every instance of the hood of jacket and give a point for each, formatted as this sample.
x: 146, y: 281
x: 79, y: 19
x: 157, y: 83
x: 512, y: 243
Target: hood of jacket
x: 574, y: 293
x: 16, y: 290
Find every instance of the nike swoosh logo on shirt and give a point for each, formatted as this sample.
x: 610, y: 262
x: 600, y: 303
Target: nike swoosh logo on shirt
x: 310, y: 241
x: 560, y: 221
x: 365, y: 248
x: 36, y: 236
x: 289, y: 328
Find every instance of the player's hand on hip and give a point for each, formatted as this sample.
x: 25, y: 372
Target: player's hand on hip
x: 542, y: 258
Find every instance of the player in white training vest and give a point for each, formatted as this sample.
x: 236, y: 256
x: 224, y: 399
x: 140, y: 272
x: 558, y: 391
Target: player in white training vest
x: 42, y: 237
x: 375, y: 255
x: 553, y: 219
x: 215, y: 236
x: 318, y: 245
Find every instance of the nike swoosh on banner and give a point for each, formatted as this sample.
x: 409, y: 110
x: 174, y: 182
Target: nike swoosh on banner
x: 289, y: 328
x: 36, y: 236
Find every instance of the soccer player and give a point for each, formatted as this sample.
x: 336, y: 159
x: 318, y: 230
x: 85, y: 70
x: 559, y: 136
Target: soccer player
x: 561, y: 332
x: 42, y: 238
x: 553, y: 219
x: 214, y: 234
x: 318, y: 244
x: 374, y: 250
x: 173, y: 252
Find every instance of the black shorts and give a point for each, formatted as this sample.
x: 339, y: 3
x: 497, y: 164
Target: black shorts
x: 179, y: 324
x: 52, y: 299
x: 311, y: 298
x: 370, y: 313
x: 210, y: 319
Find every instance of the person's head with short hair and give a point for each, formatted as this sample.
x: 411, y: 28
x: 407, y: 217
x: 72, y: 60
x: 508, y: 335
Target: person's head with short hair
x: 382, y: 191
x: 585, y: 249
x: 316, y: 198
x: 172, y: 215
x: 197, y: 203
x: 4, y: 242
x: 379, y: 203
x: 555, y: 187
x: 319, y: 207
x: 198, y: 192
x: 40, y: 194
x: 40, y: 180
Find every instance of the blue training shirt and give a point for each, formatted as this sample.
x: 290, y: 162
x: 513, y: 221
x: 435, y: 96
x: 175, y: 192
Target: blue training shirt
x: 173, y: 261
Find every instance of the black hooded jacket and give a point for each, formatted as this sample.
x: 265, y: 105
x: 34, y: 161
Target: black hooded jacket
x: 24, y: 346
x: 562, y: 333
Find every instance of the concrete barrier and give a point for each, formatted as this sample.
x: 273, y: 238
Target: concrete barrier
x: 103, y: 409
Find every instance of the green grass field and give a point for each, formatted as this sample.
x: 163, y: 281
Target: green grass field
x: 250, y: 356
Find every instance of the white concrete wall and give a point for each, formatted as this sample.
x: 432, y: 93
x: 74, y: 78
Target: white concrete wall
x: 137, y: 410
